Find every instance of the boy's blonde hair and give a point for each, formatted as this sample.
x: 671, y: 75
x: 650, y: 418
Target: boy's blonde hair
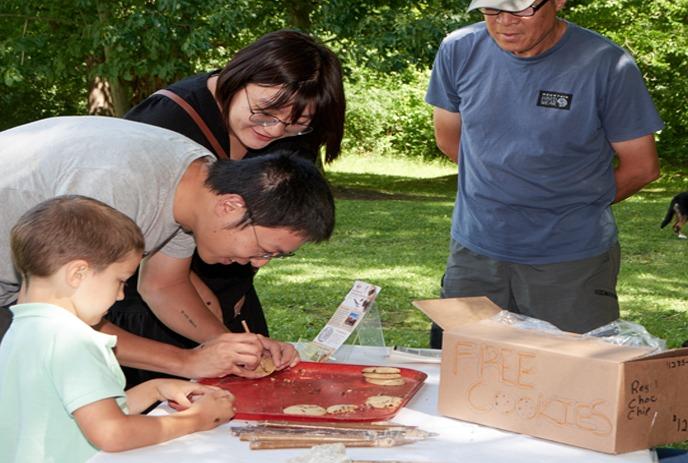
x: 71, y: 227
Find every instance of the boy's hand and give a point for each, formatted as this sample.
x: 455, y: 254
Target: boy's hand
x: 213, y: 408
x: 183, y: 393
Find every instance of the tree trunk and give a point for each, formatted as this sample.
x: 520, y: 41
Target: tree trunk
x: 299, y: 13
x: 99, y: 98
x: 120, y: 97
x: 106, y: 98
x: 119, y: 93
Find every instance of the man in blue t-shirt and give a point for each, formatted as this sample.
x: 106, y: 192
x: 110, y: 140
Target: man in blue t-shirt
x: 534, y: 109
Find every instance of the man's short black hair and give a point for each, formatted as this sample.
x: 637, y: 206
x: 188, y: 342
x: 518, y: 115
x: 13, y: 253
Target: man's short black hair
x: 281, y: 190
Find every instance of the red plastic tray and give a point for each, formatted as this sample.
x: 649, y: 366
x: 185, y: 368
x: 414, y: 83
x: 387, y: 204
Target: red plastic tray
x: 321, y: 384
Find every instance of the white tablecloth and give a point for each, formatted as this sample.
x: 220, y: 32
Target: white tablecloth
x: 458, y: 441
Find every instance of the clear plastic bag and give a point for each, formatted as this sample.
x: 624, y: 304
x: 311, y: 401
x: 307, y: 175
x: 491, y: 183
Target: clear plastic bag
x: 324, y: 453
x: 625, y: 333
x: 522, y: 321
x: 620, y: 332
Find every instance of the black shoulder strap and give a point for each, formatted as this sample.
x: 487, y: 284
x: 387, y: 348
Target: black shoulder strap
x: 5, y: 321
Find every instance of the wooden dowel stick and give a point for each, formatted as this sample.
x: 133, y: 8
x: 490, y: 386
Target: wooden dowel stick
x: 270, y: 444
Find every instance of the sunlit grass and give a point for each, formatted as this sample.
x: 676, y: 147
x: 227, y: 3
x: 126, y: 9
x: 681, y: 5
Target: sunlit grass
x: 401, y: 166
x: 653, y: 283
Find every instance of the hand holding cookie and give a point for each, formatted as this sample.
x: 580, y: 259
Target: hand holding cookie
x: 276, y: 355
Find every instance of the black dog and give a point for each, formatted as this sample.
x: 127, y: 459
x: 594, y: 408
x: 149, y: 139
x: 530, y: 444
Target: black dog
x: 679, y: 208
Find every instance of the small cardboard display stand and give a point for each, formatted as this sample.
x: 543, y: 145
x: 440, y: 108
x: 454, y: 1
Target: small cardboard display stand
x: 563, y: 387
x: 356, y: 315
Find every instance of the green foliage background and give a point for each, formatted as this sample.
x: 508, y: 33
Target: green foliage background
x: 656, y: 34
x: 52, y: 53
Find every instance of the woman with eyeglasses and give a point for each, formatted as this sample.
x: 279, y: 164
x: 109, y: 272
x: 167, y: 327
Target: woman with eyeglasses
x: 281, y: 92
x: 283, y: 85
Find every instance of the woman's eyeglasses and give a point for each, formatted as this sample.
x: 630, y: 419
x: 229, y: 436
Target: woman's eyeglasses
x: 268, y: 120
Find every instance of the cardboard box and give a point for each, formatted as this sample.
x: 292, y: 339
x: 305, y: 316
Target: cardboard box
x: 567, y: 388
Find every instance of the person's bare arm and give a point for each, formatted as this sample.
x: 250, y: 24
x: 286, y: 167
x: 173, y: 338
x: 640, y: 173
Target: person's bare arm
x: 229, y: 353
x: 638, y: 165
x: 447, y: 132
x: 143, y: 395
x: 165, y: 285
x: 207, y: 296
x: 219, y: 355
x: 146, y: 354
x: 108, y: 428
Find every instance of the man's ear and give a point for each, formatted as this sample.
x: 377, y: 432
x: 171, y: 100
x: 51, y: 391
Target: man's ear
x: 230, y: 204
x: 75, y: 272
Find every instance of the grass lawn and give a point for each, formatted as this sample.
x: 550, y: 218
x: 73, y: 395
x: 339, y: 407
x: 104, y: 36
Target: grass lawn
x: 393, y: 219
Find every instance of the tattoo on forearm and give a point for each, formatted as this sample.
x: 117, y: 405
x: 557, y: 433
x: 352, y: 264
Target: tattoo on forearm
x: 189, y: 319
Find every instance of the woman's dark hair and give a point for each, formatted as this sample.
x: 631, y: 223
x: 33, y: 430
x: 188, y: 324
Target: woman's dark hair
x: 281, y: 190
x: 308, y: 73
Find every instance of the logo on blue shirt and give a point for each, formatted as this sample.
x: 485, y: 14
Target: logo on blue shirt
x: 554, y: 100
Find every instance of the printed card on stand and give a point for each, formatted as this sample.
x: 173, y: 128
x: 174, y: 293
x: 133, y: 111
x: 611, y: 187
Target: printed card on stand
x: 347, y: 317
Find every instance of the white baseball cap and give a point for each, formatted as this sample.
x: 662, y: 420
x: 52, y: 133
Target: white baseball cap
x: 504, y: 5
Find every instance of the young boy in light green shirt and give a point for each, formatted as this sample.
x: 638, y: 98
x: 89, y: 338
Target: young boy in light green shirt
x: 61, y: 388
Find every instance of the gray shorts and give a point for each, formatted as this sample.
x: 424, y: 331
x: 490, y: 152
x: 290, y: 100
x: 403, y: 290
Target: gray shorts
x: 575, y: 296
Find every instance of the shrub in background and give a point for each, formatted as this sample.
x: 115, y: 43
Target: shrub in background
x: 387, y: 114
x: 656, y: 34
